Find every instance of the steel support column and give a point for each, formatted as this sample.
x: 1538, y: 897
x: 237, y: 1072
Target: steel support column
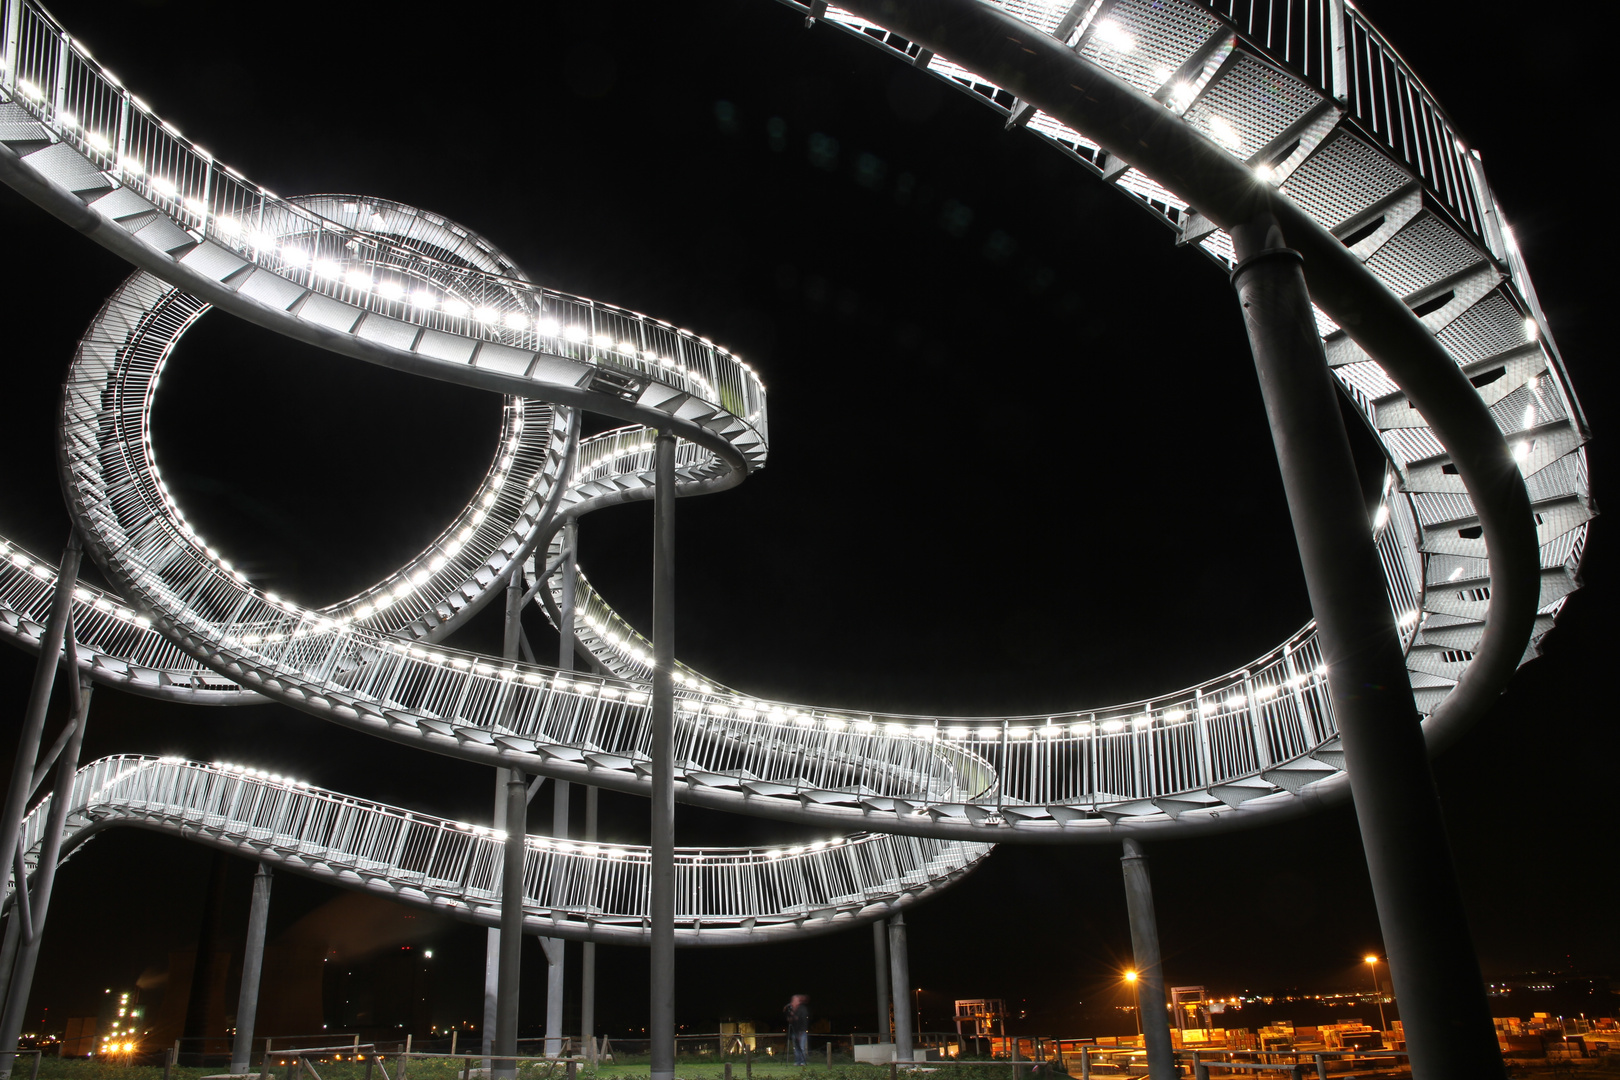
x: 21, y: 980
x: 506, y: 1016
x: 39, y: 698
x: 661, y: 1021
x: 1432, y: 962
x: 247, y: 998
x: 880, y: 952
x: 510, y: 957
x: 556, y: 948
x: 900, y: 984
x: 492, y: 942
x: 1150, y: 998
x: 587, y: 951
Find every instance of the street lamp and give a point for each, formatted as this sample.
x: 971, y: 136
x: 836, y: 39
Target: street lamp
x: 1372, y: 964
x: 1130, y: 980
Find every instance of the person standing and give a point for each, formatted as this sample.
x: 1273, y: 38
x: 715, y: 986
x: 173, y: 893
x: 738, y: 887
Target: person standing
x: 797, y: 1011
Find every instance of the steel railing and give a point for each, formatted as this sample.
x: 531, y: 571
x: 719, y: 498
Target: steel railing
x: 457, y: 866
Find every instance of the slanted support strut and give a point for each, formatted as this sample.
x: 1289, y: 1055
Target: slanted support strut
x: 39, y: 698
x: 1149, y: 966
x: 1432, y: 962
x: 21, y: 976
x: 247, y: 999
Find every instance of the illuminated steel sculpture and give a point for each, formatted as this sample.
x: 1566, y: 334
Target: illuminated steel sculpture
x: 1310, y: 154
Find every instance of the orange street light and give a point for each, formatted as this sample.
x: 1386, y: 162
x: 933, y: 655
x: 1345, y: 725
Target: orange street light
x: 1372, y: 963
x: 1130, y: 976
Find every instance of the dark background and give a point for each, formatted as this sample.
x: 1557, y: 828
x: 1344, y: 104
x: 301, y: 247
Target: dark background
x: 1018, y: 463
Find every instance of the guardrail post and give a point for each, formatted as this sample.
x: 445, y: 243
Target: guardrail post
x: 1432, y: 960
x: 1321, y: 1067
x: 1200, y: 1070
x: 1085, y: 1063
x: 168, y: 1062
x: 264, y: 1066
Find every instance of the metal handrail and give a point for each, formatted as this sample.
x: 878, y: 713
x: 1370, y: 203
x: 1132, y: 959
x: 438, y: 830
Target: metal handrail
x: 584, y: 890
x: 55, y: 79
x: 1252, y: 738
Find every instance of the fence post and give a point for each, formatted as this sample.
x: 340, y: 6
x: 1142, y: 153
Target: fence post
x: 1085, y: 1063
x: 894, y: 1070
x: 1321, y: 1067
x: 829, y: 1051
x: 727, y: 1071
x: 573, y: 1070
x: 168, y: 1063
x: 370, y: 1061
x: 33, y: 1072
x: 1200, y: 1070
x: 264, y: 1066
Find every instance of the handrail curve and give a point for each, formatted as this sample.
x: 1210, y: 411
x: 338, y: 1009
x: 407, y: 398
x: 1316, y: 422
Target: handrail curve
x: 579, y: 891
x: 1430, y: 322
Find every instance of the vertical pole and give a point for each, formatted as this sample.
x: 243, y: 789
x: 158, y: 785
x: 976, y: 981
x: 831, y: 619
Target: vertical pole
x: 557, y: 948
x: 880, y: 950
x: 22, y: 975
x: 587, y: 957
x: 39, y: 698
x: 899, y: 979
x: 510, y: 954
x: 247, y: 998
x: 1149, y: 970
x: 661, y: 1025
x: 1433, y: 967
x: 492, y: 944
x: 506, y: 1017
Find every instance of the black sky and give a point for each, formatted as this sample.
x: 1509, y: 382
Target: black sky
x: 1018, y: 459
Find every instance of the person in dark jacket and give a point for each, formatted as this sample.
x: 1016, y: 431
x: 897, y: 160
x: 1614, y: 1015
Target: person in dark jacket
x: 797, y: 1011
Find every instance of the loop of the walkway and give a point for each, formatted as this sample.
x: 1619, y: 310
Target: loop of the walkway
x: 1436, y: 351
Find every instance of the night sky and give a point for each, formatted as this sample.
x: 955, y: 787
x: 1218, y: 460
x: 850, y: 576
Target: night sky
x: 1019, y: 463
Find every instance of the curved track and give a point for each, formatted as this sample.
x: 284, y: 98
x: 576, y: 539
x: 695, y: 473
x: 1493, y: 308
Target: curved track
x: 1402, y: 203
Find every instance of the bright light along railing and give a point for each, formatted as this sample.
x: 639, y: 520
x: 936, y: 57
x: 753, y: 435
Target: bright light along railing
x: 1219, y: 732
x: 111, y: 635
x: 132, y: 336
x: 455, y: 860
x: 51, y: 75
